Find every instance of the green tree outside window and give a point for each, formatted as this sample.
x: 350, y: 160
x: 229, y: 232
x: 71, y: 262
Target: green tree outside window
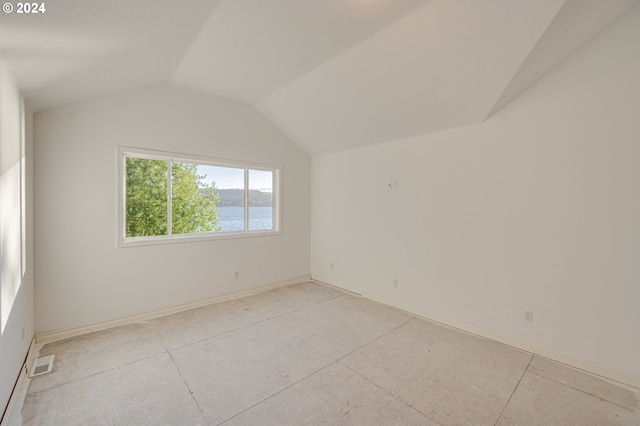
x: 193, y: 200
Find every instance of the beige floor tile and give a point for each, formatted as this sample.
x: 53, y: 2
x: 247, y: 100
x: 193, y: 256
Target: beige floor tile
x: 287, y: 299
x: 539, y: 401
x: 248, y: 367
x: 352, y: 318
x: 333, y: 396
x: 147, y: 392
x: 202, y: 323
x: 452, y: 377
x: 586, y: 382
x: 91, y: 353
x: 232, y: 372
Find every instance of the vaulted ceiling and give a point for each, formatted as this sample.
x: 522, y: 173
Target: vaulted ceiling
x: 331, y: 74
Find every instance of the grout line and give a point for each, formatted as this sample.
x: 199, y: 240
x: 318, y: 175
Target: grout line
x: 318, y: 370
x: 90, y: 374
x: 168, y: 348
x: 276, y: 393
x: 213, y: 336
x: 413, y: 317
x: 63, y: 334
x: 173, y: 361
x: 294, y: 310
x: 584, y: 391
x: 165, y: 348
x: 251, y: 324
x: 396, y: 397
x: 253, y: 308
x: 514, y: 390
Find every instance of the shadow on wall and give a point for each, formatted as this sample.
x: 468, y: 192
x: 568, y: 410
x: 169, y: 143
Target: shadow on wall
x: 10, y: 241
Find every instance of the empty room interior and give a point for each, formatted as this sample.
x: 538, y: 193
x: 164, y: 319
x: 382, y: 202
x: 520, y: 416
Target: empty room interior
x: 250, y: 212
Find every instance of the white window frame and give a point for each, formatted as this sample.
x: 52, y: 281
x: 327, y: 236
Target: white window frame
x: 124, y: 241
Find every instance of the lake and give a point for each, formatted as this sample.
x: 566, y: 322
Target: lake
x: 232, y: 218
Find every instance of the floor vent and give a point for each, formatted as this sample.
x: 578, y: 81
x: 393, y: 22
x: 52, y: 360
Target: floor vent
x: 42, y: 366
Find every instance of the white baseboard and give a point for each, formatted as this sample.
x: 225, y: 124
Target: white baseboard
x: 51, y: 336
x: 606, y: 372
x: 335, y: 287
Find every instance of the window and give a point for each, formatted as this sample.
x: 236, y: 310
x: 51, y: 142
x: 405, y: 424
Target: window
x: 167, y: 197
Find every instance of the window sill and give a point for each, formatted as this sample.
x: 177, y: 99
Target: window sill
x: 181, y: 239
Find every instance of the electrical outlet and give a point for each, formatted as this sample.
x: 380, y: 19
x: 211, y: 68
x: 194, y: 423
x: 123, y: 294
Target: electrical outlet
x: 331, y: 266
x: 528, y: 316
x: 395, y: 282
x: 22, y: 332
x: 236, y: 275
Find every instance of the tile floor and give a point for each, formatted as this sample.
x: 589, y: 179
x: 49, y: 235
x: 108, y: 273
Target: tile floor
x: 309, y: 354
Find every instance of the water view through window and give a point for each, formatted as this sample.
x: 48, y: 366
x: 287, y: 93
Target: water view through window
x: 164, y: 197
x: 232, y: 218
x: 229, y: 185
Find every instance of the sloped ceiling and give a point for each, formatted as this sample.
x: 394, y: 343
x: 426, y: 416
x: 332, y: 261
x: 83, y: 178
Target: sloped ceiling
x: 331, y: 74
x: 249, y: 49
x: 80, y: 49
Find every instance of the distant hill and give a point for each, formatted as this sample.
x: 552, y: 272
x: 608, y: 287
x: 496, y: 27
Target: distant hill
x: 235, y: 198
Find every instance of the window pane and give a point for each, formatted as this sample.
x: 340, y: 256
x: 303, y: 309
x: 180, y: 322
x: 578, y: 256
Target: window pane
x: 165, y: 195
x: 146, y: 197
x: 260, y: 199
x: 193, y: 200
x: 229, y: 184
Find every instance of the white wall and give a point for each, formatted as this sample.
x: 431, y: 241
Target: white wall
x: 82, y: 278
x: 536, y: 208
x: 16, y: 249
